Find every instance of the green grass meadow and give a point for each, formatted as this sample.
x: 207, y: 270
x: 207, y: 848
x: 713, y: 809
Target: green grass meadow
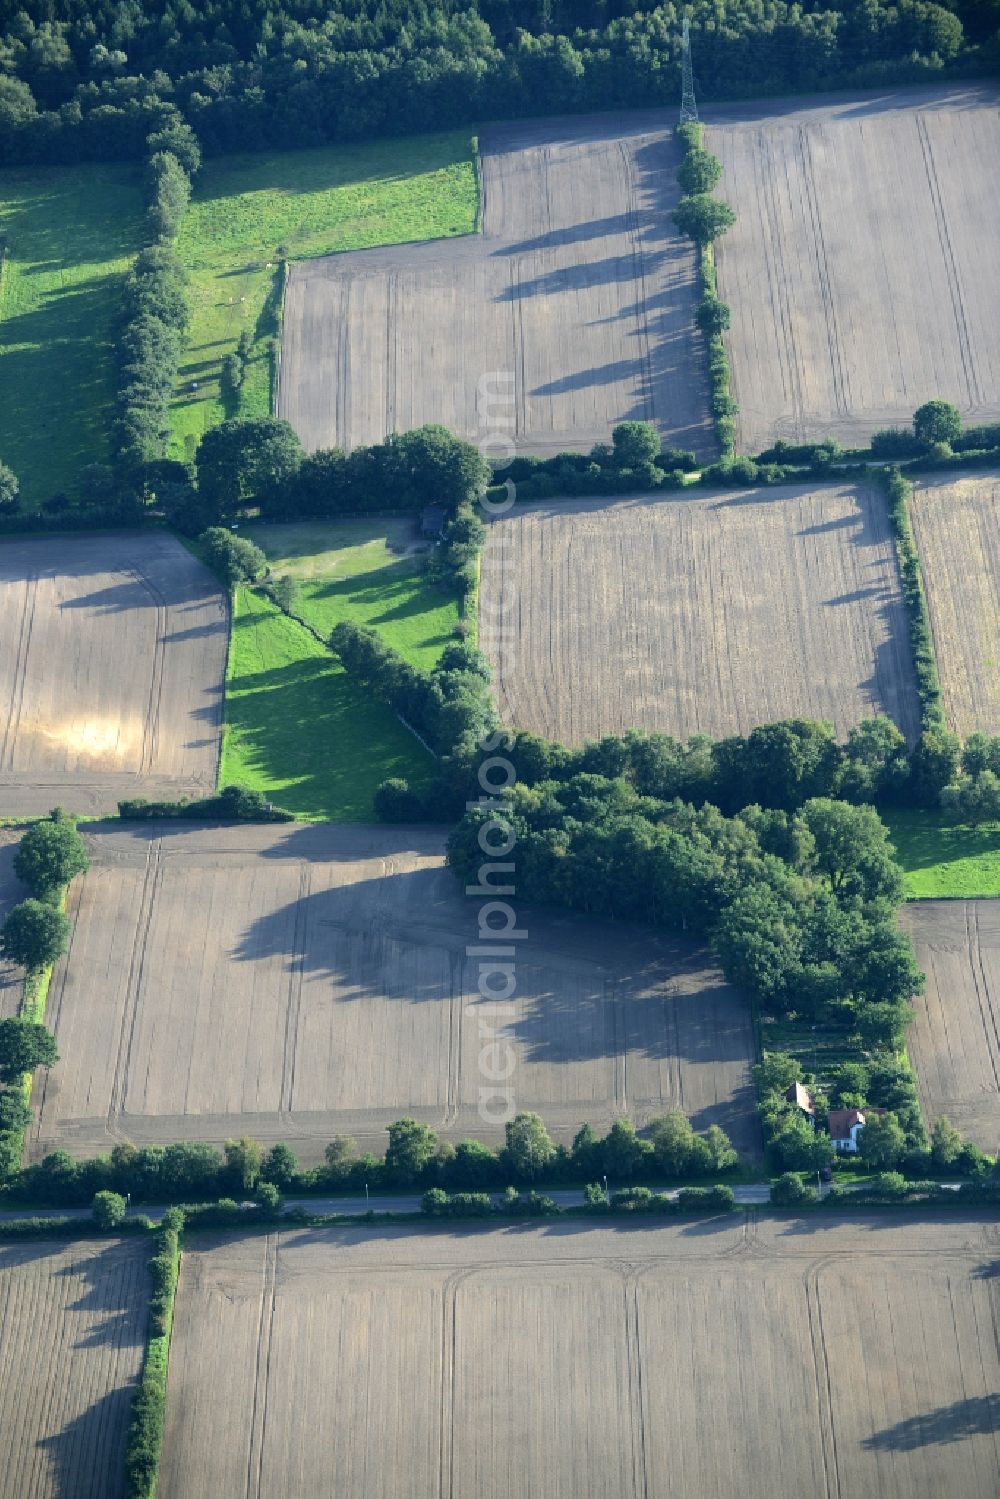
x: 945, y: 860
x: 299, y: 729
x: 249, y: 211
x: 70, y: 233
x: 364, y: 571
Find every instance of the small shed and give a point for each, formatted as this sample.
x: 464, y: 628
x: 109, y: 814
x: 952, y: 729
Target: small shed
x: 432, y: 521
x: 801, y: 1098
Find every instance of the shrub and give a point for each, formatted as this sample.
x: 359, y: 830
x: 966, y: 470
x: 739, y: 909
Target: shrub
x: 10, y: 489
x: 34, y: 935
x: 703, y: 218
x: 790, y: 1190
x: 234, y: 558
x: 108, y: 1210
x: 50, y: 854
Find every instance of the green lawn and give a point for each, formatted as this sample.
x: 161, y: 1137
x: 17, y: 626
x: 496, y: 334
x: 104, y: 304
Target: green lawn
x: 941, y: 859
x: 364, y: 571
x: 70, y: 233
x: 247, y: 211
x: 299, y: 729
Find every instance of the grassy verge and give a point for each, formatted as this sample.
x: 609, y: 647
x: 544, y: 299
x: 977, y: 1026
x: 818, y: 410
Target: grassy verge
x: 250, y: 212
x: 145, y: 1436
x: 942, y: 860
x: 364, y: 571
x: 70, y: 233
x: 297, y: 727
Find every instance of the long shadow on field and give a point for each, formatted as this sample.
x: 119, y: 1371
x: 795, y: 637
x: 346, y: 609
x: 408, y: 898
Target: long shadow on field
x: 87, y: 1456
x: 587, y: 992
x: 979, y: 1415
x: 114, y: 1292
x: 617, y: 223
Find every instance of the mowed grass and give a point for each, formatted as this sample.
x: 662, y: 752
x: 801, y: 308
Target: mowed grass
x: 364, y: 571
x: 298, y: 729
x: 248, y: 211
x: 942, y: 859
x: 70, y: 233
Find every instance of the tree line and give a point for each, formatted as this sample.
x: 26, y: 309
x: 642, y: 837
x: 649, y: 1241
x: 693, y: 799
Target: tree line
x: 415, y: 1157
x: 92, y: 81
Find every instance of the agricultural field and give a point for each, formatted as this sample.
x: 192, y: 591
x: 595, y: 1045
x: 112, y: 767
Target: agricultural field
x: 956, y: 523
x: 367, y: 571
x: 954, y: 1043
x: 112, y: 685
x: 295, y: 983
x: 299, y: 729
x: 573, y: 310
x: 249, y: 212
x: 863, y: 272
x: 700, y: 614
x: 69, y: 233
x: 72, y: 1332
x: 835, y: 1359
x: 941, y: 859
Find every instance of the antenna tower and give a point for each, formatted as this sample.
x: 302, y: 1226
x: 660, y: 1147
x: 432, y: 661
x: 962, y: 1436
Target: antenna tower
x: 689, y: 109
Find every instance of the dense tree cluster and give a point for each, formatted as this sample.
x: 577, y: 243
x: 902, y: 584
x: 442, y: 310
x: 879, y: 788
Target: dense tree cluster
x: 84, y: 79
x: 259, y: 463
x: 451, y: 707
x: 800, y: 906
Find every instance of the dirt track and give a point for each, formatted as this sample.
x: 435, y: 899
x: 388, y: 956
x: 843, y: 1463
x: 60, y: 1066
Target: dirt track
x: 696, y: 614
x: 954, y: 1043
x: 297, y: 983
x: 728, y: 1359
x: 957, y: 527
x: 864, y: 270
x: 72, y: 1329
x: 579, y: 288
x: 111, y: 685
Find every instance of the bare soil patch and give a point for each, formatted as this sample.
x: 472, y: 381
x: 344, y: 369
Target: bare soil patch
x: 300, y: 983
x: 576, y: 304
x: 957, y: 527
x: 112, y: 682
x: 954, y: 1043
x: 838, y: 1358
x: 863, y: 272
x: 702, y: 614
x: 72, y: 1332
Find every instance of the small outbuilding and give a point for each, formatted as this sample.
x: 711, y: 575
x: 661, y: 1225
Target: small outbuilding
x: 845, y: 1125
x: 801, y: 1098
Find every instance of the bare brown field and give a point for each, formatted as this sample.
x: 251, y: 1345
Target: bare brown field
x: 954, y: 1042
x: 957, y: 528
x: 72, y: 1332
x: 727, y: 1358
x: 112, y: 685
x: 11, y: 891
x: 703, y: 614
x: 300, y: 983
x: 575, y: 305
x: 864, y: 270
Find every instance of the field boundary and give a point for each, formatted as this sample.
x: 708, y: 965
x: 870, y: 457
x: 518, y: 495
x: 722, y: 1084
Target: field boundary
x: 145, y: 1436
x: 899, y: 490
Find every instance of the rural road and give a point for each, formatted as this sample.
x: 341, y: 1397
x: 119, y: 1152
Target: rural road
x: 357, y: 1206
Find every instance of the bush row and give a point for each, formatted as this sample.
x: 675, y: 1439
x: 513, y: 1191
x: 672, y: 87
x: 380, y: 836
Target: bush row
x: 145, y: 1435
x: 232, y: 804
x: 898, y: 493
x: 437, y: 1203
x: 415, y: 1157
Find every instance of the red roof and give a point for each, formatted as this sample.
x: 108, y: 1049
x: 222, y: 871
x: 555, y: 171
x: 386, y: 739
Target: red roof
x: 840, y: 1122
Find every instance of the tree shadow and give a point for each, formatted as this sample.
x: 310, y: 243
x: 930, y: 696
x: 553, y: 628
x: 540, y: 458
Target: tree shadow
x: 87, y: 1457
x: 977, y: 1415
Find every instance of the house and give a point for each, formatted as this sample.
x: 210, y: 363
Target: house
x: 433, y: 519
x: 845, y: 1125
x: 801, y: 1098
